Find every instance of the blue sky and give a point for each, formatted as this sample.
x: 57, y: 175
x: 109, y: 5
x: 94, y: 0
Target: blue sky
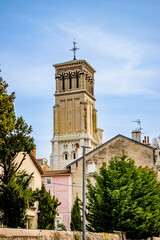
x: 119, y: 38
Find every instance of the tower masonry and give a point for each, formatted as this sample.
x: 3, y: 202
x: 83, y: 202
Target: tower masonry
x: 75, y: 116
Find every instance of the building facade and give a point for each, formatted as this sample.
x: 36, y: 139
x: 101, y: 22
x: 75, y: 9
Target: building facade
x: 75, y: 116
x: 59, y: 184
x: 31, y: 165
x: 143, y: 155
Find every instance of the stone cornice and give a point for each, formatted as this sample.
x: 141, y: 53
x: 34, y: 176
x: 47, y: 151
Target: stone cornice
x: 74, y: 63
x: 63, y: 93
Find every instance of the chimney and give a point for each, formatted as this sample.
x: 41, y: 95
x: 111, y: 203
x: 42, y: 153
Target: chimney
x: 146, y: 140
x: 34, y: 151
x: 136, y: 135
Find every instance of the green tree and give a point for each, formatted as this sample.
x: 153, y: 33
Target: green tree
x: 14, y: 138
x: 47, y: 209
x: 124, y: 198
x: 76, y: 221
x: 16, y: 197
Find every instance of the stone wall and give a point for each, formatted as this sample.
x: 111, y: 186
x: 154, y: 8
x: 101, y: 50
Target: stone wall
x: 142, y: 154
x: 26, y: 234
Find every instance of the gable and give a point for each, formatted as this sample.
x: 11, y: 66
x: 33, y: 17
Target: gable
x: 141, y: 153
x: 30, y: 165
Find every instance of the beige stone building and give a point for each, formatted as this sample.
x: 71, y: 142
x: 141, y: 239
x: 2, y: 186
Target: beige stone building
x: 143, y: 154
x: 31, y: 165
x: 75, y: 116
x: 75, y: 125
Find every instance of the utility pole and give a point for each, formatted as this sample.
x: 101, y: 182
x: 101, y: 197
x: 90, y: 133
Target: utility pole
x: 84, y: 194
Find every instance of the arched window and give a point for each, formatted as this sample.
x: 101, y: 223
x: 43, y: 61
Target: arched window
x: 73, y: 155
x: 65, y: 156
x: 77, y: 80
x: 63, y: 83
x: 70, y: 81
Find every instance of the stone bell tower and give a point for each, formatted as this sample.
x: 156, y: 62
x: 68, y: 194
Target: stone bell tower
x: 75, y: 116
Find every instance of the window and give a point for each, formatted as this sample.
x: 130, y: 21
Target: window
x: 57, y: 221
x: 77, y: 80
x: 48, y: 181
x: 70, y: 81
x: 65, y: 156
x: 74, y: 155
x: 63, y: 83
x: 91, y: 168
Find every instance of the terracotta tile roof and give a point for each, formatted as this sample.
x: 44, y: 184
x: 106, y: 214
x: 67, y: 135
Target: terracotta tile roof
x: 38, y: 166
x: 56, y: 172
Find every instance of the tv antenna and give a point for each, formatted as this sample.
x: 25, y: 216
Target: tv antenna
x: 138, y: 121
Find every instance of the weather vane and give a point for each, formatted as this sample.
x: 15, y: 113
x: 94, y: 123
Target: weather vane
x: 74, y: 49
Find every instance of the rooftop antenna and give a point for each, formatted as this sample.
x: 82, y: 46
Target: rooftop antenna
x: 138, y: 121
x: 74, y: 49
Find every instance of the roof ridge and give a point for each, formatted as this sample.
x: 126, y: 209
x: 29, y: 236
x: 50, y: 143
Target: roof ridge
x: 110, y: 140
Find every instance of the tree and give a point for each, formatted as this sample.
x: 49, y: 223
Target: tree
x: 14, y: 138
x: 124, y: 198
x: 47, y: 209
x: 61, y: 227
x: 156, y: 142
x: 76, y: 221
x: 16, y: 197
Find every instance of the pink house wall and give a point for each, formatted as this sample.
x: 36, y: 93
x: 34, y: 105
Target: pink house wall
x: 60, y: 187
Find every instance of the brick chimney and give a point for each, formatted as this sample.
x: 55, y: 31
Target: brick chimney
x: 136, y: 135
x: 34, y: 151
x: 146, y: 140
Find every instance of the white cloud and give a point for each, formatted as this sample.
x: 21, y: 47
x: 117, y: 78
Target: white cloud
x: 124, y: 82
x: 107, y: 44
x: 128, y: 75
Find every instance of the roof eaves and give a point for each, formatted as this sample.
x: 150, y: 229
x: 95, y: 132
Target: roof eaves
x: 34, y: 160
x: 56, y: 172
x: 72, y: 61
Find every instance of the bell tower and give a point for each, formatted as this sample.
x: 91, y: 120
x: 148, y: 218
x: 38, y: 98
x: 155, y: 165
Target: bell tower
x: 75, y: 116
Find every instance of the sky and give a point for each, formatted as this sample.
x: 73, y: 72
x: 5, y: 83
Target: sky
x: 120, y: 39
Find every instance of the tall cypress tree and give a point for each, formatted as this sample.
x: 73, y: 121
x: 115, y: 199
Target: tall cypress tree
x: 76, y: 221
x: 14, y: 138
x: 47, y: 209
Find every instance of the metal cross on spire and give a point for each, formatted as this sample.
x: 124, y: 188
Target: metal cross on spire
x: 74, y: 49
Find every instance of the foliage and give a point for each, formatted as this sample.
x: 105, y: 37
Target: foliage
x: 156, y: 142
x: 76, y: 237
x: 14, y: 138
x: 124, y: 198
x: 47, y: 209
x: 76, y: 221
x: 62, y: 227
x: 16, y: 197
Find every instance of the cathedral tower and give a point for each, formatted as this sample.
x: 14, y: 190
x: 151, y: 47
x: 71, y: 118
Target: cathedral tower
x: 75, y: 116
